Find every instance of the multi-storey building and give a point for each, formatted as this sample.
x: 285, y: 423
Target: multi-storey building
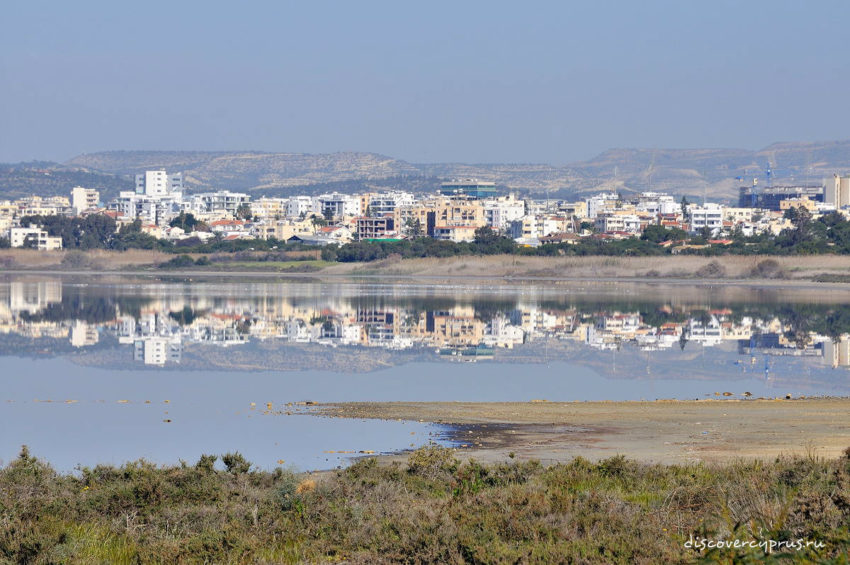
x: 384, y: 203
x: 337, y: 205
x: 34, y: 236
x: 370, y: 227
x: 83, y: 199
x: 709, y: 215
x: 837, y: 191
x: 501, y: 211
x: 159, y: 183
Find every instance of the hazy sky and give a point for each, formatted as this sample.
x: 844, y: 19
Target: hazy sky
x: 429, y: 81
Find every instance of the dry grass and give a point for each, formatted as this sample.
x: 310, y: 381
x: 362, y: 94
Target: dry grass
x: 681, y: 266
x: 501, y: 266
x: 98, y: 259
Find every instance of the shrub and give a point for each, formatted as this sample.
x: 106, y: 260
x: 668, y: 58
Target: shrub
x: 179, y: 262
x: 432, y: 461
x: 206, y: 463
x: 768, y: 269
x: 713, y: 270
x: 75, y: 259
x: 235, y: 463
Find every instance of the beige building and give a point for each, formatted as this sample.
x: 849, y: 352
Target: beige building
x: 438, y: 216
x: 269, y: 208
x: 283, y: 230
x: 802, y: 202
x: 38, y: 206
x: 83, y: 199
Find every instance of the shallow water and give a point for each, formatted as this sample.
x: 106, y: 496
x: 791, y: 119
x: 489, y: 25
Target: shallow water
x: 106, y: 370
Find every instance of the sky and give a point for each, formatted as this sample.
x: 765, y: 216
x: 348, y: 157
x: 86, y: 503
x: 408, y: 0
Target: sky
x: 480, y: 82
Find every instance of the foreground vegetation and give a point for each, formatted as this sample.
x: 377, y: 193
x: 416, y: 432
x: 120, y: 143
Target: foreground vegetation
x: 431, y: 509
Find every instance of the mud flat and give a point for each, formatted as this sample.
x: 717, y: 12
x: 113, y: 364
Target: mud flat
x: 660, y: 431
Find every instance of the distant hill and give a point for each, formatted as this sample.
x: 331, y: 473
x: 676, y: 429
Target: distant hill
x: 691, y: 172
x: 53, y: 179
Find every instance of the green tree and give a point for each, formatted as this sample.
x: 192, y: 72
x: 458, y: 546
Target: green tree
x: 243, y: 212
x: 185, y: 222
x: 413, y: 227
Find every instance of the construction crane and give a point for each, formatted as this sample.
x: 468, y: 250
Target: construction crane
x: 753, y: 193
x: 769, y: 173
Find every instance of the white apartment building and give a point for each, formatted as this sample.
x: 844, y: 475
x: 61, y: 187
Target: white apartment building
x: 19, y: 237
x: 387, y: 202
x: 158, y: 198
x: 159, y: 183
x: 536, y: 226
x: 83, y: 199
x: 708, y: 215
x: 500, y: 212
x: 600, y: 202
x: 147, y: 209
x: 656, y: 203
x: 219, y: 201
x: 608, y: 222
x: 337, y: 205
x: 298, y: 206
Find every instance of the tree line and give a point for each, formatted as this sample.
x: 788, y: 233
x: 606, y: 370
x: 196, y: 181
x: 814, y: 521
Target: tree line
x: 828, y: 234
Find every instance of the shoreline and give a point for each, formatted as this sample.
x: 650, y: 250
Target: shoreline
x: 436, y: 279
x: 662, y: 431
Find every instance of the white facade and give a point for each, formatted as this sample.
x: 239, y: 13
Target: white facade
x: 656, y: 203
x: 387, y: 202
x: 298, y: 206
x: 159, y: 183
x: 607, y: 223
x: 600, y: 202
x: 83, y: 199
x: 220, y: 201
x: 148, y: 209
x: 18, y: 237
x: 499, y: 213
x: 338, y: 205
x: 709, y: 215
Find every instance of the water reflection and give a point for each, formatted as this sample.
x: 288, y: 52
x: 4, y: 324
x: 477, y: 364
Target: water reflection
x: 109, y: 370
x: 156, y: 324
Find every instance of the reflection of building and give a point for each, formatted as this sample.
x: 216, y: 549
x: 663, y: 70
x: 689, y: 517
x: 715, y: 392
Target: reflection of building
x: 837, y: 354
x: 156, y: 350
x: 158, y: 328
x: 83, y: 334
x: 31, y: 297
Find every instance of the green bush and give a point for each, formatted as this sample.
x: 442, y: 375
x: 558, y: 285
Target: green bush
x: 235, y: 463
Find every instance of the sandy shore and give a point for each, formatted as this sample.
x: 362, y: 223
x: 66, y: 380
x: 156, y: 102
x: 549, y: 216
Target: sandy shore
x: 660, y: 431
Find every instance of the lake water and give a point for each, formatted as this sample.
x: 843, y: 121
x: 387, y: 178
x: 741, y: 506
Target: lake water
x: 109, y: 369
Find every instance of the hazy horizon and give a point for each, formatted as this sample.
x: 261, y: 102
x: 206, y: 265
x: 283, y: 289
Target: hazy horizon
x: 478, y: 82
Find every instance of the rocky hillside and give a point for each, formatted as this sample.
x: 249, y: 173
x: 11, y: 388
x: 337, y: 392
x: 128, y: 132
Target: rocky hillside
x: 679, y: 171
